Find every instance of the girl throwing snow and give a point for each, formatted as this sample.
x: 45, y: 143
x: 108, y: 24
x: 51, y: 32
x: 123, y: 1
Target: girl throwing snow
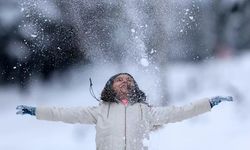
x: 123, y: 118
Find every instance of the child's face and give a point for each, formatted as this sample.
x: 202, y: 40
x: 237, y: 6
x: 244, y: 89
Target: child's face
x: 122, y: 85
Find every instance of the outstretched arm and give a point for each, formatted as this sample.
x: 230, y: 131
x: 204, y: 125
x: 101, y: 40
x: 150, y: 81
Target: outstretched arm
x: 171, y: 114
x: 85, y: 115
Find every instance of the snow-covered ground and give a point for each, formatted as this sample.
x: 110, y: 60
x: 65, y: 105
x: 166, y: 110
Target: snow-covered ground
x: 225, y: 127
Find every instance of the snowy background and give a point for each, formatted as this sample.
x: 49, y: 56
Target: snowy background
x: 225, y: 127
x: 178, y: 52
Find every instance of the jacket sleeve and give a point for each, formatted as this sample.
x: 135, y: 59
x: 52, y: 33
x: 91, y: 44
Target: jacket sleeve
x: 171, y: 114
x: 84, y: 115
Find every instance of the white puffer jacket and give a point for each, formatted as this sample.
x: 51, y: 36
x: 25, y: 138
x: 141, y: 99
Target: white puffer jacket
x: 120, y: 127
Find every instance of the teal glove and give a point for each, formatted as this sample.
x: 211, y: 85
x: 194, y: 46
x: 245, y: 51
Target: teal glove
x: 217, y: 99
x: 22, y: 110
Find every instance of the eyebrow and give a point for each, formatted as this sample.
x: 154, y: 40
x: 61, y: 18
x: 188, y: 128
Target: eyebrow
x: 119, y: 77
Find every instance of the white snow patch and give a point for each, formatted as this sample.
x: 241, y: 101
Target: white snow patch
x: 191, y: 18
x: 144, y: 62
x: 133, y: 30
x: 33, y: 35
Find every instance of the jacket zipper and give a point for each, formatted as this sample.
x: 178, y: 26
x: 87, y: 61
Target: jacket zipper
x: 125, y: 133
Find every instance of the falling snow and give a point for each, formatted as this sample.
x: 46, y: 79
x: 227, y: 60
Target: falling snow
x: 144, y: 62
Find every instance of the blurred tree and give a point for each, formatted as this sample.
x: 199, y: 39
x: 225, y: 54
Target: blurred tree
x: 242, y: 8
x: 227, y: 26
x: 35, y: 44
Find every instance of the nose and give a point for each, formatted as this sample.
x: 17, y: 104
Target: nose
x: 124, y: 81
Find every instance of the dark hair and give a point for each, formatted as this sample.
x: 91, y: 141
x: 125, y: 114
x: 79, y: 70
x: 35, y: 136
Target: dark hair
x: 109, y: 95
